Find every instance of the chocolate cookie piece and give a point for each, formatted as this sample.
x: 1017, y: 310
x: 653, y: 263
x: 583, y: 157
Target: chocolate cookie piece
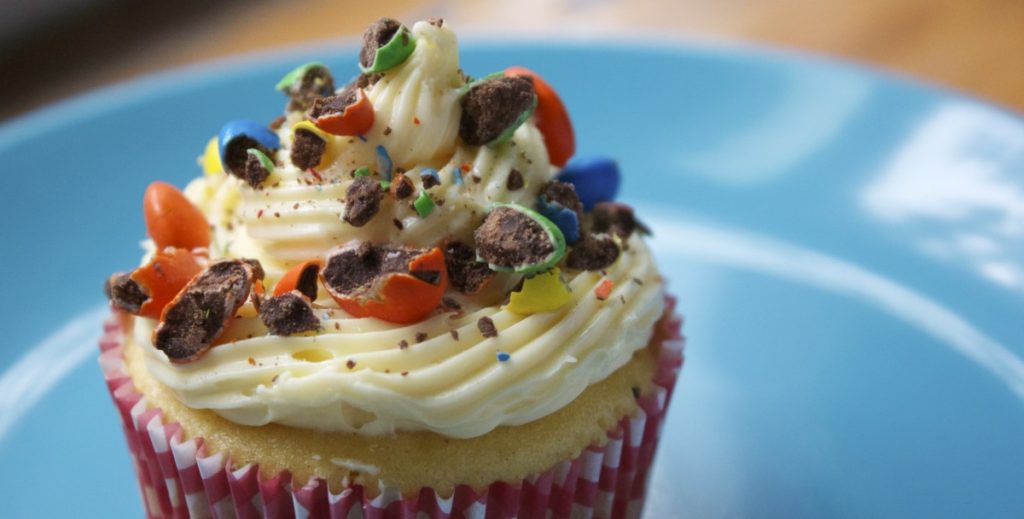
x: 201, y: 311
x: 124, y: 293
x: 564, y: 194
x: 288, y: 314
x: 593, y: 253
x: 493, y: 108
x: 515, y: 180
x: 465, y: 273
x: 402, y: 187
x: 255, y: 171
x: 315, y: 82
x: 514, y: 238
x: 307, y: 149
x: 352, y: 269
x: 486, y: 326
x: 362, y: 201
x: 614, y: 217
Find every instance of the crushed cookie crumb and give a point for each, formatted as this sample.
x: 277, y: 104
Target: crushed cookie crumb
x: 403, y: 344
x: 486, y: 326
x: 350, y: 364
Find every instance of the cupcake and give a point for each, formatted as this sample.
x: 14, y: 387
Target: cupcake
x: 398, y: 299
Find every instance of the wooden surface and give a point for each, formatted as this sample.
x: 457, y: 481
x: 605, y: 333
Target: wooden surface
x: 970, y: 45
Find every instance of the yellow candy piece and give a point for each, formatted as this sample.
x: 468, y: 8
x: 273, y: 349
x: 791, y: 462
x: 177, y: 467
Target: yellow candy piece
x: 211, y: 158
x: 332, y: 149
x: 541, y: 293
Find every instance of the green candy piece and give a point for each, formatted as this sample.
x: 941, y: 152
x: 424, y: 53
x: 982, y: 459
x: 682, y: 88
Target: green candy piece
x: 393, y: 53
x: 363, y: 172
x: 290, y: 78
x: 507, y: 133
x: 553, y: 232
x: 424, y: 204
x: 385, y: 184
x: 265, y: 161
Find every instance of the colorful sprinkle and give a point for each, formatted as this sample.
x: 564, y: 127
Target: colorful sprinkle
x: 362, y: 172
x: 604, y: 289
x: 424, y: 205
x: 457, y: 173
x: 385, y: 184
x: 541, y: 293
x: 596, y: 179
x: 503, y: 356
x: 384, y: 163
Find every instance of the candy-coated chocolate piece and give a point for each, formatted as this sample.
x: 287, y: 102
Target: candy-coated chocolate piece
x: 386, y: 44
x: 265, y: 161
x: 424, y: 205
x: 349, y: 113
x: 301, y: 277
x: 596, y: 179
x: 384, y: 164
x: 566, y: 219
x: 396, y: 284
x: 237, y: 137
x: 543, y: 292
x: 163, y: 277
x: 494, y: 107
x: 551, y: 117
x: 514, y: 238
x: 330, y: 142
x: 211, y: 158
x: 172, y: 220
x: 293, y: 78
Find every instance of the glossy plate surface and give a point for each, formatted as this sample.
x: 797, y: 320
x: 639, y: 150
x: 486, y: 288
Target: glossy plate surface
x: 848, y: 249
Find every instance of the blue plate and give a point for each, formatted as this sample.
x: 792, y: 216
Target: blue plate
x: 848, y: 249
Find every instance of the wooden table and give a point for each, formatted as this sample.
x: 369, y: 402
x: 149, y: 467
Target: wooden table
x: 971, y: 45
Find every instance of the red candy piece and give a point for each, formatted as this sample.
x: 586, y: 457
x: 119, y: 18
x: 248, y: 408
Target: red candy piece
x: 171, y: 220
x: 163, y: 277
x: 552, y: 118
x: 356, y: 119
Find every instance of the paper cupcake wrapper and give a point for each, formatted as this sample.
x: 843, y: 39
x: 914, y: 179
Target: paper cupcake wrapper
x: 183, y: 478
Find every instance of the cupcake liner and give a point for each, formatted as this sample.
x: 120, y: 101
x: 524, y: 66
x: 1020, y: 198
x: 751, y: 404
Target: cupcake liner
x: 181, y: 478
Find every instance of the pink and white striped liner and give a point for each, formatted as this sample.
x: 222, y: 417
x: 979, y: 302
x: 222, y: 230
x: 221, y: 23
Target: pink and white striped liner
x: 184, y: 479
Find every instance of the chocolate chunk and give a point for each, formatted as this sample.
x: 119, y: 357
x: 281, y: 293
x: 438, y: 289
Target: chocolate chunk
x: 402, y: 187
x: 492, y: 106
x: 307, y: 148
x: 486, y: 327
x: 317, y: 82
x: 465, y: 273
x: 449, y: 303
x: 335, y: 104
x: 352, y: 269
x: 366, y: 80
x: 254, y: 173
x: 236, y: 154
x: 614, y: 217
x: 362, y: 201
x: 429, y: 180
x: 201, y: 311
x: 515, y: 180
x: 307, y: 282
x: 593, y: 253
x: 564, y: 194
x: 124, y: 293
x: 509, y: 238
x: 421, y: 336
x: 376, y: 36
x: 288, y: 314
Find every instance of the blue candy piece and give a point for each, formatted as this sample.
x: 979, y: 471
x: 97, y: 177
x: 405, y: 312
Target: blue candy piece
x: 565, y: 219
x: 596, y: 179
x: 384, y: 164
x: 238, y: 128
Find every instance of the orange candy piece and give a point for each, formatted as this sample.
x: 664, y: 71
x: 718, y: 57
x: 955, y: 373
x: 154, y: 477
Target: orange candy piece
x: 291, y: 279
x: 171, y: 220
x: 356, y: 119
x: 402, y: 298
x: 552, y: 118
x: 163, y: 277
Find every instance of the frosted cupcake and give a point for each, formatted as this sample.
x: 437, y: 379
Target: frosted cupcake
x: 397, y: 298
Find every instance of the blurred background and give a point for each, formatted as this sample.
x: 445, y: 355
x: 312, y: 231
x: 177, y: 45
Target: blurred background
x: 52, y: 49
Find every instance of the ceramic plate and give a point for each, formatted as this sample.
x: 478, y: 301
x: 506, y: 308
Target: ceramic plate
x: 848, y: 249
